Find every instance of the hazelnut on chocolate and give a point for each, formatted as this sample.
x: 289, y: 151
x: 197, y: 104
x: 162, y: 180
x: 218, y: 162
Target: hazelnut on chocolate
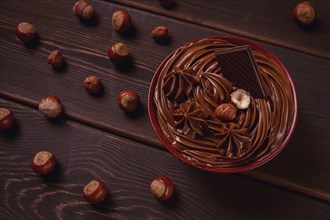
x: 226, y: 112
x: 160, y: 34
x: 241, y: 98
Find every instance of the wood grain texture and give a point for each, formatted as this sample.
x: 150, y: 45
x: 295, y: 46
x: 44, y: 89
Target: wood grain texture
x: 26, y: 77
x: 127, y: 167
x: 268, y: 21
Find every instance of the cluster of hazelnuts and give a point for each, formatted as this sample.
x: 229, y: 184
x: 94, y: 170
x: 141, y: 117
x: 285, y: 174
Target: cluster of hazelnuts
x: 44, y: 162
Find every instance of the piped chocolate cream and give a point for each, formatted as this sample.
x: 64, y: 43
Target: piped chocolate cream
x: 192, y: 84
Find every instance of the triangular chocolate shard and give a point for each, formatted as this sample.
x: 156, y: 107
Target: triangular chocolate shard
x: 239, y: 66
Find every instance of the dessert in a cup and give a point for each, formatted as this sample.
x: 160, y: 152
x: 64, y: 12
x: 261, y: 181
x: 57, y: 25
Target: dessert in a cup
x: 223, y: 104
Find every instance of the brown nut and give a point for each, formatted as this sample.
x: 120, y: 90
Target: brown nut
x: 162, y: 187
x: 51, y: 106
x: 92, y: 84
x: 95, y: 191
x: 166, y: 3
x: 121, y: 21
x: 304, y: 13
x: 118, y: 53
x: 83, y: 10
x: 160, y: 34
x: 226, y: 111
x: 56, y: 59
x: 43, y: 162
x: 25, y: 31
x: 128, y: 100
x: 6, y: 118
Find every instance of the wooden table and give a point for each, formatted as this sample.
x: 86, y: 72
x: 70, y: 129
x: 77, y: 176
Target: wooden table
x: 97, y: 140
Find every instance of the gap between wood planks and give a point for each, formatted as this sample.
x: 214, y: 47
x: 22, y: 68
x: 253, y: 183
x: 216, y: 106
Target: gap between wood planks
x: 224, y: 28
x: 320, y: 195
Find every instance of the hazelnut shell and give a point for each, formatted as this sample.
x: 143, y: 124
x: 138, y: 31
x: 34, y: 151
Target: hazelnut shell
x: 128, y: 100
x: 26, y: 32
x: 162, y: 188
x: 56, y: 59
x: 95, y: 191
x: 160, y: 34
x: 304, y: 13
x: 118, y: 53
x: 83, y: 10
x: 92, y: 84
x: 43, y: 162
x: 51, y: 106
x: 6, y: 119
x: 122, y: 21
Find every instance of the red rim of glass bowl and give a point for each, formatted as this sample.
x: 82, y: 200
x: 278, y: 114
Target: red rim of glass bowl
x: 248, y: 166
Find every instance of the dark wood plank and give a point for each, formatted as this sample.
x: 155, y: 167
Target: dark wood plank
x: 26, y: 77
x: 127, y: 167
x: 268, y: 21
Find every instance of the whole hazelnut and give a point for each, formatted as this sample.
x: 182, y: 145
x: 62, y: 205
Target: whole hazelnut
x: 241, y: 98
x: 162, y: 187
x: 56, y: 59
x: 226, y: 111
x: 128, y: 100
x: 83, y: 10
x: 51, y: 106
x: 92, y: 84
x: 6, y: 118
x: 121, y: 21
x: 166, y: 3
x: 95, y: 191
x: 26, y: 32
x: 304, y: 13
x: 160, y: 34
x: 118, y: 53
x: 43, y: 162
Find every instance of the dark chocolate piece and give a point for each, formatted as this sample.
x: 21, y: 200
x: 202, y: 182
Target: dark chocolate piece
x: 239, y: 66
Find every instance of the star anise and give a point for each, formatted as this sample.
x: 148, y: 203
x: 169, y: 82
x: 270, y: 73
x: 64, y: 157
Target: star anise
x: 190, y: 117
x: 233, y: 140
x: 179, y: 84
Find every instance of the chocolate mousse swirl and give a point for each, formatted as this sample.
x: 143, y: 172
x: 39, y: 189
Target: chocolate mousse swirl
x: 189, y: 88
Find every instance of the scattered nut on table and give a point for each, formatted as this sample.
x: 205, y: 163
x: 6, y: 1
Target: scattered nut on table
x: 43, y: 162
x: 122, y: 21
x: 128, y: 100
x: 92, y: 84
x: 51, y: 106
x: 304, y: 13
x: 118, y: 53
x: 56, y: 59
x: 160, y: 34
x: 26, y: 32
x: 83, y: 10
x: 162, y: 188
x: 6, y: 119
x: 95, y: 191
